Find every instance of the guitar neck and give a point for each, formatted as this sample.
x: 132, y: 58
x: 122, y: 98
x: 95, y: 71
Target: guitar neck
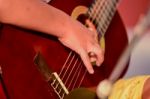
x: 101, y: 13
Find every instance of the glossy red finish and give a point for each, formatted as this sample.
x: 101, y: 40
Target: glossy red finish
x: 19, y: 46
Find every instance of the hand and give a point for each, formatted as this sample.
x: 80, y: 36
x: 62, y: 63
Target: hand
x: 70, y: 32
x: 83, y: 41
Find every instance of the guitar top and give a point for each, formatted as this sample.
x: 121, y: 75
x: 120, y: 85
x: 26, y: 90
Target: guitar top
x: 18, y: 48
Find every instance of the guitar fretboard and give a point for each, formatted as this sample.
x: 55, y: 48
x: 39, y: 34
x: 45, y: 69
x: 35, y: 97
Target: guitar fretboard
x: 101, y: 13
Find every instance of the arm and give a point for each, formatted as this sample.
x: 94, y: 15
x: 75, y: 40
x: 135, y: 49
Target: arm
x: 146, y: 90
x: 39, y: 16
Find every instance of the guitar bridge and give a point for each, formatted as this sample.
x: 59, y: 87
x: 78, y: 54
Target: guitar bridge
x: 58, y: 85
x: 51, y: 77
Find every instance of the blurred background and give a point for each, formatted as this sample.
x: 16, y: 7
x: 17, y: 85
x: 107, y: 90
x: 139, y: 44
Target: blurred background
x: 130, y: 11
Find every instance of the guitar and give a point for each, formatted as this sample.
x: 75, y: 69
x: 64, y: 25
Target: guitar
x: 18, y: 48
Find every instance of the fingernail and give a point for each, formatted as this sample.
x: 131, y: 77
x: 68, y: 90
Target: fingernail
x: 91, y: 71
x: 99, y: 64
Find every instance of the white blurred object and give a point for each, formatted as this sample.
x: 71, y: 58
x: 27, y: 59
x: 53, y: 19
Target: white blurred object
x: 104, y: 89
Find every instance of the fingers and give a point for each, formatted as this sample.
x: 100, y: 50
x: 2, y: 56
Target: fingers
x: 97, y: 54
x: 93, y: 55
x: 92, y: 28
x: 90, y: 25
x: 84, y: 56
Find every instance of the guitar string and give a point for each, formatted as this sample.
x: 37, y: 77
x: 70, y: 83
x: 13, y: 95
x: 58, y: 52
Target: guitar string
x: 67, y: 69
x: 94, y: 8
x: 80, y: 68
x: 106, y: 16
x: 70, y: 72
x: 71, y: 62
x: 103, y: 19
x: 65, y: 63
x: 63, y: 70
x: 56, y: 87
x: 110, y: 10
x: 63, y: 94
x: 50, y: 85
x: 55, y: 84
x: 92, y: 13
x: 82, y: 78
x: 63, y: 66
x: 107, y: 11
x: 100, y: 11
x: 77, y: 79
x: 75, y: 73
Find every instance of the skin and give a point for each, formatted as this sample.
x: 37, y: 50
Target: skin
x: 146, y: 90
x: 69, y: 31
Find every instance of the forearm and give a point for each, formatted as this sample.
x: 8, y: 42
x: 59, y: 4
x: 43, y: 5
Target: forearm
x: 34, y: 14
x: 146, y: 90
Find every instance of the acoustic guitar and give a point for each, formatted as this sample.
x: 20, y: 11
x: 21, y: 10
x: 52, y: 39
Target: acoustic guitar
x: 19, y: 47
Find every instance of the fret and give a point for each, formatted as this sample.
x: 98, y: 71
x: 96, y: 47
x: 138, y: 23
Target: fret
x: 102, y: 11
x: 96, y: 5
x: 102, y: 22
x: 108, y: 13
x: 99, y: 28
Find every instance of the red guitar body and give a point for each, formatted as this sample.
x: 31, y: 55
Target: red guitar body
x: 18, y: 48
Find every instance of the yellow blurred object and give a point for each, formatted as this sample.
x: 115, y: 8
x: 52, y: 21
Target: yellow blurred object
x: 129, y: 89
